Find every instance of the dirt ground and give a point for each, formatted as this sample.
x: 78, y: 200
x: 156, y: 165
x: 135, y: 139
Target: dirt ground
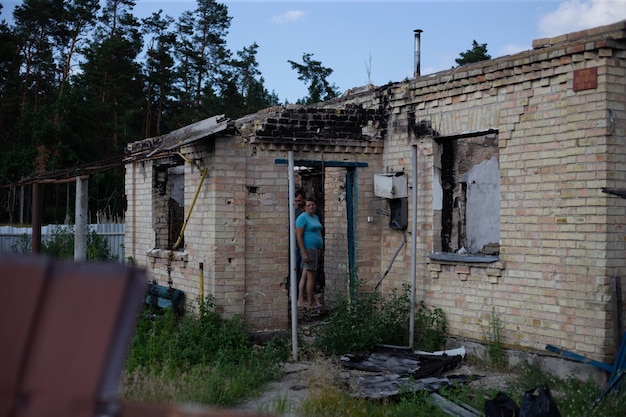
x: 285, y: 397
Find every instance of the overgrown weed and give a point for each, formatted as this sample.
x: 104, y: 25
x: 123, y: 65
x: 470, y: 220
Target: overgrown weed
x: 360, y: 323
x: 574, y: 395
x: 201, y: 358
x: 334, y: 402
x: 197, y: 358
x: 431, y: 328
x: 493, y: 336
x: 61, y: 245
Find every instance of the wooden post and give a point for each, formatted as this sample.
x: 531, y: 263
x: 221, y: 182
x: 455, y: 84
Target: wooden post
x: 80, y: 222
x: 37, y: 211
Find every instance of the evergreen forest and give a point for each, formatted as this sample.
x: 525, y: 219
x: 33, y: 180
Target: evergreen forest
x: 80, y: 79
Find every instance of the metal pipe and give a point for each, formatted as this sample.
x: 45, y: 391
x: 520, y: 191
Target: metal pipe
x: 380, y: 281
x: 293, y: 280
x: 416, y: 56
x: 201, y: 282
x: 193, y: 203
x: 414, y: 246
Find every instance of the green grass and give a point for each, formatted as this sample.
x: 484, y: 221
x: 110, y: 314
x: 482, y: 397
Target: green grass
x: 199, y: 358
x: 203, y: 359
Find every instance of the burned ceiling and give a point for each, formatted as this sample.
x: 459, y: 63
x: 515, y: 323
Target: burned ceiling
x: 351, y: 125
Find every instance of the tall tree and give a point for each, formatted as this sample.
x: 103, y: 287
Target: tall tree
x: 9, y: 83
x: 39, y: 28
x: 158, y: 70
x: 476, y: 54
x: 111, y: 77
x: 202, y: 51
x: 316, y: 75
x: 241, y: 87
x: 78, y: 20
x: 15, y: 160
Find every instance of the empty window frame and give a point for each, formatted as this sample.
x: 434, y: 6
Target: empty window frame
x: 168, y: 205
x: 466, y: 198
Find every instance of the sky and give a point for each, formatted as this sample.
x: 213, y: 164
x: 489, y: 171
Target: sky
x: 373, y: 42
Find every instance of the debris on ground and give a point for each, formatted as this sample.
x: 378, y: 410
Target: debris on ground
x: 389, y: 371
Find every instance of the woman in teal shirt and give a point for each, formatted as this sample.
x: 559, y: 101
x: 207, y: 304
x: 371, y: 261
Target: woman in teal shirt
x: 310, y: 242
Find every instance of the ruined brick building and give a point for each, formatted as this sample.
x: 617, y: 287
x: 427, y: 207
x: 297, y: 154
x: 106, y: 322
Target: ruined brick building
x: 487, y: 182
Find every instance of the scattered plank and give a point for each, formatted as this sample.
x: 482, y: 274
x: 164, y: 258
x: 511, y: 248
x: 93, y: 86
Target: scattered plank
x: 454, y: 409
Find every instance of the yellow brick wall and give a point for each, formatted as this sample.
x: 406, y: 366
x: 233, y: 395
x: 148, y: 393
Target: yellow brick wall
x: 562, y: 238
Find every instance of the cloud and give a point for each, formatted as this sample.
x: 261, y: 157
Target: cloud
x: 288, y: 17
x: 574, y: 15
x: 512, y: 48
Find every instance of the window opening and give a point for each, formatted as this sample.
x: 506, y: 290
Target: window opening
x: 168, y: 204
x: 469, y: 175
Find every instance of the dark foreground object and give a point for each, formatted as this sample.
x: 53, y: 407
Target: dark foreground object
x: 65, y: 329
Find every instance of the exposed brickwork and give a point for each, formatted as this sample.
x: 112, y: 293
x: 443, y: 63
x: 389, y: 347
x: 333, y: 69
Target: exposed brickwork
x: 562, y: 238
x: 318, y: 126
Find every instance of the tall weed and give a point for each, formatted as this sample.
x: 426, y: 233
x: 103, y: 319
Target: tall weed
x: 357, y: 324
x: 198, y: 357
x: 361, y: 323
x: 61, y: 245
x: 431, y: 328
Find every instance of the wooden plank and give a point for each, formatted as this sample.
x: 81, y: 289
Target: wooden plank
x: 453, y: 409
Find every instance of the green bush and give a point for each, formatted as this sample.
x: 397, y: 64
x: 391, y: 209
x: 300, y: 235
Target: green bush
x: 198, y: 357
x: 61, y: 245
x: 431, y: 328
x: 361, y: 323
x: 369, y: 319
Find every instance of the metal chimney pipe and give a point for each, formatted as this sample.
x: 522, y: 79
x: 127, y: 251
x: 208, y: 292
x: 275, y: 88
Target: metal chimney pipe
x: 416, y: 64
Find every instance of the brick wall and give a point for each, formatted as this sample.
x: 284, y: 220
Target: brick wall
x: 562, y: 238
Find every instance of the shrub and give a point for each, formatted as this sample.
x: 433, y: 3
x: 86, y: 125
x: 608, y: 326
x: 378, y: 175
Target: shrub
x: 361, y: 323
x: 61, y: 245
x: 367, y: 320
x: 198, y: 357
x: 431, y: 328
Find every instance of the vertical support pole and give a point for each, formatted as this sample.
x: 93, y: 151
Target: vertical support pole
x: 413, y: 246
x: 351, y: 207
x: 616, y: 297
x: 293, y: 279
x: 201, y: 283
x: 37, y: 213
x: 22, y: 204
x: 80, y: 222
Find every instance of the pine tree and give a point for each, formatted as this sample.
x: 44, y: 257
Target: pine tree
x: 476, y: 54
x: 316, y: 75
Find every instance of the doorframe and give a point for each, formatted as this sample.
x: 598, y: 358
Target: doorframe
x: 351, y: 205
